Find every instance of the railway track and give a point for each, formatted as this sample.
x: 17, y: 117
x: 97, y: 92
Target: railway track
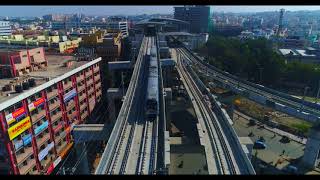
x: 222, y: 153
x: 223, y: 77
x: 122, y: 131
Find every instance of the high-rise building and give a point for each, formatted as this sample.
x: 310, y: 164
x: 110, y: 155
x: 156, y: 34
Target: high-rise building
x: 37, y: 115
x: 5, y: 28
x: 197, y: 16
x: 280, y: 22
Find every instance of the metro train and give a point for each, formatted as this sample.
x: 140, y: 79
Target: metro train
x: 152, y: 104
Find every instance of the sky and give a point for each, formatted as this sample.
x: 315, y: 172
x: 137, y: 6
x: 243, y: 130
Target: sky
x: 31, y: 11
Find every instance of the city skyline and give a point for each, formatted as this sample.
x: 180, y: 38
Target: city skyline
x: 37, y: 11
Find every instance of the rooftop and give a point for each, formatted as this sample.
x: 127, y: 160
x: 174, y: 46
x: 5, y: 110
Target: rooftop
x: 56, y: 67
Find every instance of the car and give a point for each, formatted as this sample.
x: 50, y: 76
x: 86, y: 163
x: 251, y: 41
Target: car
x: 259, y: 145
x: 291, y: 169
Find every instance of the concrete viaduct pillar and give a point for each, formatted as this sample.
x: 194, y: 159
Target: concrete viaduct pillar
x: 113, y: 94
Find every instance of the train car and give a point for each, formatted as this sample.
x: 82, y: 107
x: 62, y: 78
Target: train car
x: 152, y: 104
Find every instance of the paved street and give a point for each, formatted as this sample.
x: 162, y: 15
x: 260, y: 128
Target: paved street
x: 271, y: 154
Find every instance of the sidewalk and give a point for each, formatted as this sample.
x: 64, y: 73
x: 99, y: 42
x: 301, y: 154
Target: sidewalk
x: 277, y: 131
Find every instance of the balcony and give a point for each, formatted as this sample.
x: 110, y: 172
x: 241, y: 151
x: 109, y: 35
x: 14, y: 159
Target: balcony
x: 98, y: 93
x: 23, y: 156
x: 59, y: 137
x: 89, y: 82
x: 82, y: 106
x: 24, y: 169
x: 96, y: 69
x: 32, y: 172
x: 67, y: 85
x: 72, y: 115
x: 70, y: 105
x: 80, y: 78
x: 98, y: 85
x: 97, y: 78
x: 52, y: 94
x: 84, y: 115
x: 82, y: 97
x: 81, y: 88
x: 55, y: 117
x: 61, y: 147
x: 37, y: 117
x: 58, y: 127
x: 46, y: 162
x: 54, y: 105
x: 89, y: 73
x: 42, y: 140
x: 90, y: 91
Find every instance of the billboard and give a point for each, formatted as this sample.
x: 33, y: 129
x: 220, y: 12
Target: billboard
x: 70, y: 95
x: 45, y: 151
x: 32, y: 106
x: 12, y: 117
x: 19, y: 128
x: 41, y: 127
x: 27, y: 139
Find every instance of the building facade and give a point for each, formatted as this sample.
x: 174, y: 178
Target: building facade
x: 197, y: 16
x: 5, y: 28
x: 122, y: 26
x: 16, y: 62
x: 36, y: 125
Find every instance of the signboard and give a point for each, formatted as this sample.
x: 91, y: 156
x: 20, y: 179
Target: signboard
x: 50, y: 169
x: 70, y: 95
x: 56, y: 129
x: 45, y: 151
x: 27, y: 139
x: 18, y: 144
x: 57, y: 161
x: 10, y: 118
x: 32, y: 106
x: 53, y: 165
x: 41, y: 127
x: 19, y: 128
x: 65, y: 151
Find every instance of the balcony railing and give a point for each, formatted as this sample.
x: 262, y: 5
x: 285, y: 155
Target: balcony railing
x: 84, y: 115
x: 79, y: 79
x: 24, y: 169
x: 42, y: 140
x: 61, y: 147
x: 96, y: 69
x: 45, y: 163
x: 23, y: 156
x: 82, y: 97
x: 67, y: 85
x: 89, y: 82
x: 52, y: 94
x: 54, y: 105
x: 82, y: 106
x: 37, y: 117
x: 98, y: 93
x: 55, y: 117
x: 81, y: 88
